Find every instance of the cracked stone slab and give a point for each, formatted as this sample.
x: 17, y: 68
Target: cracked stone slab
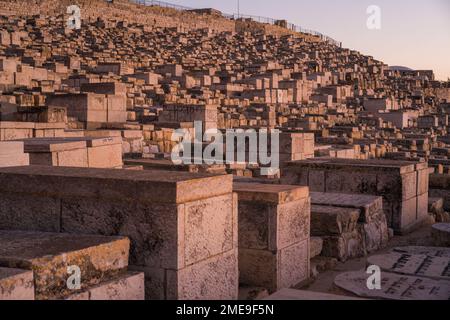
x: 415, y: 265
x: 394, y: 286
x: 428, y: 251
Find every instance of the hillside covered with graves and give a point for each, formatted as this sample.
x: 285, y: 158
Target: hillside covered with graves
x: 90, y: 117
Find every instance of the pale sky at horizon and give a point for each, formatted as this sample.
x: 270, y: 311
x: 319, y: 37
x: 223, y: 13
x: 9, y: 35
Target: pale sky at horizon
x: 414, y: 33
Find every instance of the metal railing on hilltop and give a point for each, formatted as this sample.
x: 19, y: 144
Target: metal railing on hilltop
x: 259, y: 19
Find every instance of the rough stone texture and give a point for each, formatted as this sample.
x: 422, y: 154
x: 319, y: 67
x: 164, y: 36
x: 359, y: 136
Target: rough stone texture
x: 427, y: 251
x: 75, y: 152
x: 351, y: 225
x: 49, y: 255
x: 414, y: 265
x: 440, y: 188
x: 213, y: 279
x: 316, y: 245
x: 16, y: 284
x: 441, y: 234
x: 282, y: 269
x: 327, y: 220
x: 12, y: 154
x: 177, y: 222
x: 274, y: 223
x: 126, y: 287
x: 394, y: 287
x: 403, y: 185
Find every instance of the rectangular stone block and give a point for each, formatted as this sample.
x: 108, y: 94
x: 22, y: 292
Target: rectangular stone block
x: 397, y: 182
x: 127, y: 287
x: 274, y: 228
x: 216, y: 278
x: 49, y: 255
x: 177, y: 222
x: 274, y: 270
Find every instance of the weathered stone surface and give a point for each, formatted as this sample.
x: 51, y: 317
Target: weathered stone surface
x: 274, y: 271
x: 441, y: 234
x: 274, y: 226
x: 351, y: 225
x: 427, y: 251
x: 49, y: 255
x: 415, y: 265
x: 213, y: 279
x: 395, y: 181
x: 394, y: 286
x: 16, y: 284
x: 12, y: 154
x: 345, y: 246
x: 129, y: 286
x: 316, y: 245
x: 175, y: 221
x: 328, y: 220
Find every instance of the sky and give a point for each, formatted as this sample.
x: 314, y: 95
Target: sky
x: 413, y: 33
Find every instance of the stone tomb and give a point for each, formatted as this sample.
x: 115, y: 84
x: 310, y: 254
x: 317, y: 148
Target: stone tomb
x: 182, y: 227
x: 351, y: 225
x: 403, y: 185
x: 75, y: 152
x: 12, y: 154
x: 415, y: 265
x: 394, y: 286
x: 274, y: 223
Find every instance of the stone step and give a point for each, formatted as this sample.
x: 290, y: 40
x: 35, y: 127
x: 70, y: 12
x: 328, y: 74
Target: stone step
x: 49, y: 255
x: 130, y: 286
x: 16, y: 284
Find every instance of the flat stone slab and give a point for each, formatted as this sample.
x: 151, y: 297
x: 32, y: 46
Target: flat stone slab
x: 414, y: 265
x: 367, y: 204
x: 380, y: 165
x: 130, y: 286
x: 427, y: 251
x: 35, y: 145
x: 16, y: 284
x: 140, y: 186
x: 11, y: 148
x: 292, y: 294
x: 66, y: 144
x: 269, y: 193
x: 49, y: 255
x: 394, y: 286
